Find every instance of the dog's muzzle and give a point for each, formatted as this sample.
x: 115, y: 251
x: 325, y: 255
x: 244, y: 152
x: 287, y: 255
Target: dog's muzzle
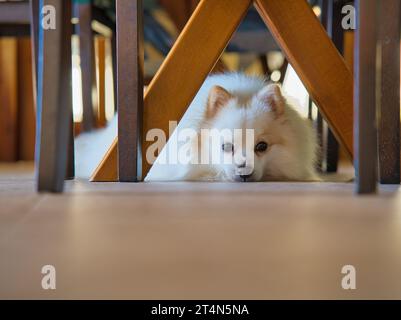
x: 243, y: 173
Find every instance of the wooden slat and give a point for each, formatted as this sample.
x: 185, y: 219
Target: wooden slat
x: 86, y: 52
x: 316, y: 61
x: 107, y: 169
x: 130, y: 72
x: 389, y: 122
x: 26, y: 105
x: 349, y: 49
x: 8, y: 99
x: 55, y: 100
x: 180, y: 11
x: 365, y: 97
x: 191, y: 59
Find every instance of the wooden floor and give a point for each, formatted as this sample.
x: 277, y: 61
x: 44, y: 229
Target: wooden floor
x: 197, y: 240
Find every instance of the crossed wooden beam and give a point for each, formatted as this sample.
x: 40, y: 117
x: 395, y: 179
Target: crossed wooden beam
x: 295, y: 28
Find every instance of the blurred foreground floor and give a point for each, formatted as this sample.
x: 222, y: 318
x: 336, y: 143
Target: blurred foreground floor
x: 197, y: 240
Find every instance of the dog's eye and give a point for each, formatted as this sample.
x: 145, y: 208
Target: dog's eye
x: 261, y: 147
x: 227, y: 147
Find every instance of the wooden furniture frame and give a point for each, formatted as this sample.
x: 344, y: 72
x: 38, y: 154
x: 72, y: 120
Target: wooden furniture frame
x: 198, y: 48
x: 297, y: 31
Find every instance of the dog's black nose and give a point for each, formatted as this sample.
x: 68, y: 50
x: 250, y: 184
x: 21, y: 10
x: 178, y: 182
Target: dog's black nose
x: 243, y: 172
x: 245, y: 177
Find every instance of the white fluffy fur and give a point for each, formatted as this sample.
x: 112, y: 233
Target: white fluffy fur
x: 292, y: 143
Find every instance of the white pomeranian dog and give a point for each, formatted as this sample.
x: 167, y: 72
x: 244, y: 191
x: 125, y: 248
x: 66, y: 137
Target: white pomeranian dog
x: 270, y: 141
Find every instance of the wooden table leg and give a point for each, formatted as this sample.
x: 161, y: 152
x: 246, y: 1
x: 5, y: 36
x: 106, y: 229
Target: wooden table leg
x: 389, y: 121
x: 365, y: 97
x: 130, y: 57
x: 54, y: 100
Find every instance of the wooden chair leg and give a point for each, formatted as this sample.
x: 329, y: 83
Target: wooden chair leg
x: 8, y: 99
x: 26, y: 104
x: 54, y: 100
x: 331, y: 20
x: 114, y: 62
x: 389, y: 122
x: 283, y: 70
x: 365, y: 152
x: 35, y: 40
x: 130, y: 88
x: 265, y: 66
x: 320, y: 135
x: 70, y: 174
x: 319, y: 122
x: 87, y: 60
x: 101, y: 53
x: 332, y: 152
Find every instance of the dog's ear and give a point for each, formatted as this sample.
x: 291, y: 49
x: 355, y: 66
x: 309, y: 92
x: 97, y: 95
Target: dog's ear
x: 218, y: 98
x: 272, y: 96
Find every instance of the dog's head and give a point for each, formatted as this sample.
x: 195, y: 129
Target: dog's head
x: 260, y: 146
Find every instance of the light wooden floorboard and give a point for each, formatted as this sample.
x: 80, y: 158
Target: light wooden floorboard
x: 198, y: 240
